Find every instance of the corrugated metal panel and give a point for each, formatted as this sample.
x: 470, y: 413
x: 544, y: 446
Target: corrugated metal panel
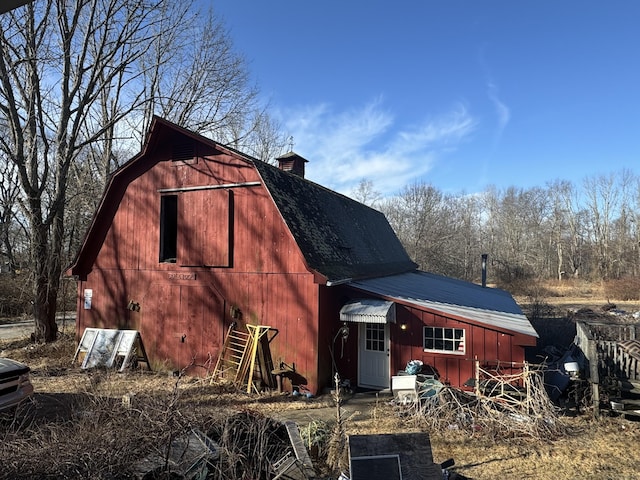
x: 368, y: 310
x: 490, y: 306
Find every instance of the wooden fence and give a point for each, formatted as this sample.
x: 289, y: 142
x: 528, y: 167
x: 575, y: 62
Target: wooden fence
x: 611, y: 351
x: 614, y: 360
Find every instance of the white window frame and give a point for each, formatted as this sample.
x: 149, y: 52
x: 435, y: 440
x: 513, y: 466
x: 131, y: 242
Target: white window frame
x: 455, y: 337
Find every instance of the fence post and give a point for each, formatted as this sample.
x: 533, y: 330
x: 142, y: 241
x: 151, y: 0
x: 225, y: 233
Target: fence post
x: 592, y: 355
x: 477, y: 377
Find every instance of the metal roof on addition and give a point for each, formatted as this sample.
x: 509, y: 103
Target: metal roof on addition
x: 490, y: 306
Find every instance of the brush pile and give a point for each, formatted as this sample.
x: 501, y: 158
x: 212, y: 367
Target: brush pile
x: 511, y: 406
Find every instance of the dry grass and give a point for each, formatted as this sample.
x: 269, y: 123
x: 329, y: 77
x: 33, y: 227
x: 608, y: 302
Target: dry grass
x: 577, y: 294
x: 79, y: 427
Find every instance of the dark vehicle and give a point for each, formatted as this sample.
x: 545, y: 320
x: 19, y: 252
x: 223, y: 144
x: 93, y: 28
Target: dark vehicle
x: 15, y: 385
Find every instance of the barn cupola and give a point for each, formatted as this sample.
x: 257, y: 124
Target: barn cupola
x: 292, y: 162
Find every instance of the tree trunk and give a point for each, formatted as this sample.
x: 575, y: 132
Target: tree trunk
x: 44, y: 310
x: 45, y: 286
x: 559, y: 251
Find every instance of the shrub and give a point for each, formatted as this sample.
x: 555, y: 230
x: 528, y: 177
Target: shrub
x: 623, y: 289
x: 15, y: 295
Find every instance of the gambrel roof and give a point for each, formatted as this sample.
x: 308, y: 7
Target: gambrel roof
x: 339, y: 238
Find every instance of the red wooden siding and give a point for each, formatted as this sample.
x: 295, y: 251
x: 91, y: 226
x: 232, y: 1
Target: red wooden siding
x: 204, y: 241
x: 346, y: 355
x: 487, y: 345
x: 182, y: 322
x: 252, y: 263
x: 483, y: 343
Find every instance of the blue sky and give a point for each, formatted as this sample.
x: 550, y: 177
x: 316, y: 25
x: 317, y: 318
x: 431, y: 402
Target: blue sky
x: 460, y: 94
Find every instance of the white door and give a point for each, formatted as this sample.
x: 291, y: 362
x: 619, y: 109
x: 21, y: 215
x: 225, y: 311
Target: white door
x: 373, y: 355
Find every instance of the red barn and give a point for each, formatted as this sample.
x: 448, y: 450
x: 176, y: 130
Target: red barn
x: 191, y: 236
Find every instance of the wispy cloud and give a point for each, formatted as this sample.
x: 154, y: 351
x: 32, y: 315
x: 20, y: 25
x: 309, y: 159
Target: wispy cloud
x: 369, y: 143
x: 502, y: 110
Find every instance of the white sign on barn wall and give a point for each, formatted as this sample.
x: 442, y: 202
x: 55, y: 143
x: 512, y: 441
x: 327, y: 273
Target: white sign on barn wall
x: 88, y: 295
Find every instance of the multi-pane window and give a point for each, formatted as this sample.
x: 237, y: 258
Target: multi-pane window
x: 443, y: 339
x: 374, y: 337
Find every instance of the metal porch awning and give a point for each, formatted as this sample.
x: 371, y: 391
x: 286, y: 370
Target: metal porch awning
x: 368, y: 310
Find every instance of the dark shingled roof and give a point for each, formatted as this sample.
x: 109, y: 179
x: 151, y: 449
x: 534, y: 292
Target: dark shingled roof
x: 340, y: 238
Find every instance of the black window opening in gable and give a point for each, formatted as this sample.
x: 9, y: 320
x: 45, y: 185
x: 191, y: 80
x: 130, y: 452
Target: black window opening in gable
x: 168, y: 228
x: 183, y: 152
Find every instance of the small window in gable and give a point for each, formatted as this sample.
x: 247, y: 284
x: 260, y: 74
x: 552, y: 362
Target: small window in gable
x: 168, y: 228
x: 445, y: 340
x: 183, y: 152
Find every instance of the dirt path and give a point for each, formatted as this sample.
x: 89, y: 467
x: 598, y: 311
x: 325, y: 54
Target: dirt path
x: 357, y: 408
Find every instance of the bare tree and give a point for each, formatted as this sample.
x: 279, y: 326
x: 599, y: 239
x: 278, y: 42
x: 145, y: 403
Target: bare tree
x: 466, y: 248
x: 75, y: 77
x: 514, y: 220
x: 9, y: 196
x: 635, y: 226
x: 55, y: 60
x: 558, y: 226
x: 567, y: 199
x: 603, y: 200
x: 423, y: 220
x: 550, y: 232
x: 260, y: 136
x: 624, y: 249
x: 365, y: 193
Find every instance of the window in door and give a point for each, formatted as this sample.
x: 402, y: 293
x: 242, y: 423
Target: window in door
x: 374, y: 337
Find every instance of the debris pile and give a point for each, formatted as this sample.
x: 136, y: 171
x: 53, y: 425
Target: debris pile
x: 511, y: 406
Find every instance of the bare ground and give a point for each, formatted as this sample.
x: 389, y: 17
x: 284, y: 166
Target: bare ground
x: 591, y: 449
x: 604, y: 449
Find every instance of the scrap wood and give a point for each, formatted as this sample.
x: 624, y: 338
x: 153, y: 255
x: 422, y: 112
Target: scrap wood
x: 187, y: 456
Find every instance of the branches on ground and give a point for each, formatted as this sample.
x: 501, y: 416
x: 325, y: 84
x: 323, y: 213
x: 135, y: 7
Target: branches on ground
x: 502, y: 412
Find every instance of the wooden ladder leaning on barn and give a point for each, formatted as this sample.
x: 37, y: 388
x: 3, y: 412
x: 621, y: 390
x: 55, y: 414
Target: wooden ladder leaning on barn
x: 240, y: 350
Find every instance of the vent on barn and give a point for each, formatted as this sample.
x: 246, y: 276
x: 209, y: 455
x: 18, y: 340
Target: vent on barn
x: 292, y: 162
x: 183, y: 151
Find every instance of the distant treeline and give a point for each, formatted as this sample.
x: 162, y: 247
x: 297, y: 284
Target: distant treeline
x: 563, y: 230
